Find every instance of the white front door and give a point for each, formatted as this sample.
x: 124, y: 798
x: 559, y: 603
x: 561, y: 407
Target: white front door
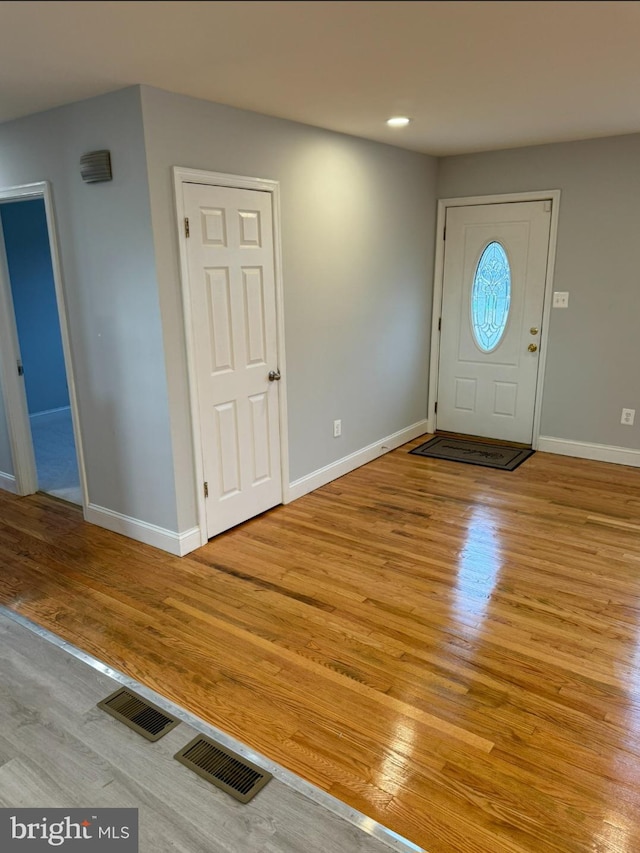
x: 494, y: 281
x: 233, y: 318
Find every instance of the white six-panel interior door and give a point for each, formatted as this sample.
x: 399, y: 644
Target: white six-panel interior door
x: 489, y: 353
x: 230, y: 258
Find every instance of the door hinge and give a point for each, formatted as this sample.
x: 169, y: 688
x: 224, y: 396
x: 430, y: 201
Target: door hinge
x: 444, y: 233
x: 439, y: 323
x: 435, y: 409
x: 206, y: 489
x: 20, y: 368
x: 187, y: 232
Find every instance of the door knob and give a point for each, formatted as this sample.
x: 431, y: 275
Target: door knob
x: 274, y: 376
x: 532, y: 348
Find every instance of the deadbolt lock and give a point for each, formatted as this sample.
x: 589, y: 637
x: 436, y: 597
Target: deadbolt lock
x: 534, y: 330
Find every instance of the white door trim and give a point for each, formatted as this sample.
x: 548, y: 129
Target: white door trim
x: 13, y: 391
x: 182, y: 176
x: 12, y: 387
x: 438, y: 284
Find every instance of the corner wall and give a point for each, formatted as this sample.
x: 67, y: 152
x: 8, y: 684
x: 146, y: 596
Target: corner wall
x: 108, y: 268
x: 358, y: 224
x: 594, y: 345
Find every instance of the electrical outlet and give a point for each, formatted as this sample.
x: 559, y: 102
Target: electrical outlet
x: 560, y: 299
x: 628, y: 417
x: 337, y: 429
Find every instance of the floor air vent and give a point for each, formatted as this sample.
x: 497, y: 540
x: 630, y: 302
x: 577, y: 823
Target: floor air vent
x: 223, y: 768
x: 138, y: 714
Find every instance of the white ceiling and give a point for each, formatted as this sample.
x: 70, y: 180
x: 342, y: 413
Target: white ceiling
x: 472, y: 75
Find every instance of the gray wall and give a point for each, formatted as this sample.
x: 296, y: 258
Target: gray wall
x: 109, y: 277
x: 594, y: 348
x: 357, y: 239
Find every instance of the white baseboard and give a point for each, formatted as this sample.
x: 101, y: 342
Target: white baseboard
x: 8, y: 483
x: 189, y: 541
x: 50, y: 412
x: 348, y: 463
x: 584, y: 450
x: 167, y: 540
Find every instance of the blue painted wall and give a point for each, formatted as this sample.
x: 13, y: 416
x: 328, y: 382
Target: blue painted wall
x: 24, y: 225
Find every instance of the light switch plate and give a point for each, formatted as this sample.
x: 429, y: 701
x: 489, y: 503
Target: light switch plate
x: 560, y: 299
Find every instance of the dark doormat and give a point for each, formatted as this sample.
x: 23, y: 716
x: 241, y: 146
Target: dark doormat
x: 484, y: 453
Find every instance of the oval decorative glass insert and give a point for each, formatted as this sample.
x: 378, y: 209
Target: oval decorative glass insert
x: 491, y: 297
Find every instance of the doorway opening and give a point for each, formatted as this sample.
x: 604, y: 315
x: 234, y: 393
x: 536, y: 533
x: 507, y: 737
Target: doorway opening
x: 38, y: 402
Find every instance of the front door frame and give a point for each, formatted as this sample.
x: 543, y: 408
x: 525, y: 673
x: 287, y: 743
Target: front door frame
x: 11, y: 383
x: 182, y: 175
x: 553, y: 196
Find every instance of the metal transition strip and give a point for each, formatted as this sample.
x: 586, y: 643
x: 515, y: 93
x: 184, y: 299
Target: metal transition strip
x: 287, y: 777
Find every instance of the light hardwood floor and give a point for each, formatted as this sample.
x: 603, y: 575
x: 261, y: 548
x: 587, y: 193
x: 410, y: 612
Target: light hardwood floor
x: 453, y: 650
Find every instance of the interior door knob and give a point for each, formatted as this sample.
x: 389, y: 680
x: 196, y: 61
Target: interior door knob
x: 274, y: 376
x: 532, y: 347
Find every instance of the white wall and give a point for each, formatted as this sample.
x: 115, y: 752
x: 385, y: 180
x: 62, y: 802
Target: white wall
x: 108, y: 266
x: 357, y: 239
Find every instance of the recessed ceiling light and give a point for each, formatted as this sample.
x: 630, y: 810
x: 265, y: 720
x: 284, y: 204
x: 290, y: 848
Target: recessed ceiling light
x: 398, y: 121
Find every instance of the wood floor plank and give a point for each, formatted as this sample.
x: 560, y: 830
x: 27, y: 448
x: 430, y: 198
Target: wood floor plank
x: 451, y: 649
x: 62, y: 752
